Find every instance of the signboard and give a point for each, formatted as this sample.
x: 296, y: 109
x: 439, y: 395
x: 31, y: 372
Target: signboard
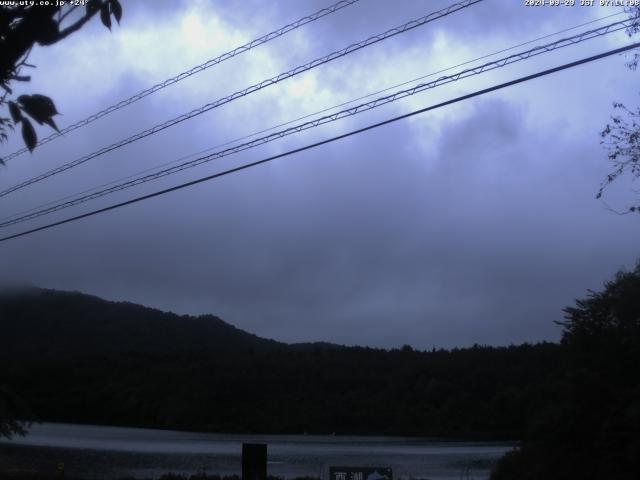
x: 360, y: 473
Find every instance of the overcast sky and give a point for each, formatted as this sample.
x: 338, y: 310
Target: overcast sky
x: 474, y: 223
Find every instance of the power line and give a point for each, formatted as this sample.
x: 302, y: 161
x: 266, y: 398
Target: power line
x: 575, y: 39
x: 330, y: 140
x: 254, y: 88
x: 197, y: 69
x: 289, y: 122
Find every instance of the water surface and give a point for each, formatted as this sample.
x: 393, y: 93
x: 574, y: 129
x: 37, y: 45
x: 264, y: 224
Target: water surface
x: 111, y: 452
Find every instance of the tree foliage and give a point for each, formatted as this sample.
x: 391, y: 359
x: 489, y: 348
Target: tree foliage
x: 589, y: 427
x: 613, y: 312
x: 14, y: 414
x: 21, y: 28
x: 621, y: 136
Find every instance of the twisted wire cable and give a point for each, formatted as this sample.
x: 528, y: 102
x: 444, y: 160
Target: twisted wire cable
x: 197, y: 69
x: 289, y: 122
x: 246, y: 166
x: 502, y: 62
x: 254, y: 88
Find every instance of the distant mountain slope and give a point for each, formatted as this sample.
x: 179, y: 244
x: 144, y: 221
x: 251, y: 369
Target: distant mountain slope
x: 50, y: 323
x: 76, y: 358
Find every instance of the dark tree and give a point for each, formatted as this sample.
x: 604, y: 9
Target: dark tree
x: 12, y: 407
x: 21, y: 28
x: 589, y: 426
x: 612, y: 313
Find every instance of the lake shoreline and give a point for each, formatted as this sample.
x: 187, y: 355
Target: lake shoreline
x: 112, y: 453
x: 470, y: 437
x: 499, y: 437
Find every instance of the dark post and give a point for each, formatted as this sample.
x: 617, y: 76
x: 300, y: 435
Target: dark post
x: 254, y: 461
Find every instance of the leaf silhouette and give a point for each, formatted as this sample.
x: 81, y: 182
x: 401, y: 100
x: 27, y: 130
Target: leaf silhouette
x: 39, y: 107
x: 116, y: 10
x: 52, y: 124
x: 47, y: 32
x: 29, y: 134
x: 92, y: 6
x: 14, y: 110
x: 104, y: 15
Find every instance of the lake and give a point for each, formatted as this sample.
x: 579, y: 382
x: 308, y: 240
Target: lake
x: 98, y: 452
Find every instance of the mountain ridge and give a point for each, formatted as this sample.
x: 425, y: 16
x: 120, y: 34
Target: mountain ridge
x: 71, y: 321
x: 77, y: 358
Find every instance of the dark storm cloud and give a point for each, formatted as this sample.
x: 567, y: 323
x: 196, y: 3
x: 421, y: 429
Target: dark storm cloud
x: 475, y: 223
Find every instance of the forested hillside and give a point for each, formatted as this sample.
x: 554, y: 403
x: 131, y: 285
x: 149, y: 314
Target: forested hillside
x: 39, y: 323
x: 77, y: 358
x: 588, y: 426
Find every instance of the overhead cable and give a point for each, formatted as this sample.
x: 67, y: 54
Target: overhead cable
x: 517, y: 57
x: 329, y: 140
x: 309, y: 115
x: 254, y: 88
x: 192, y: 71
